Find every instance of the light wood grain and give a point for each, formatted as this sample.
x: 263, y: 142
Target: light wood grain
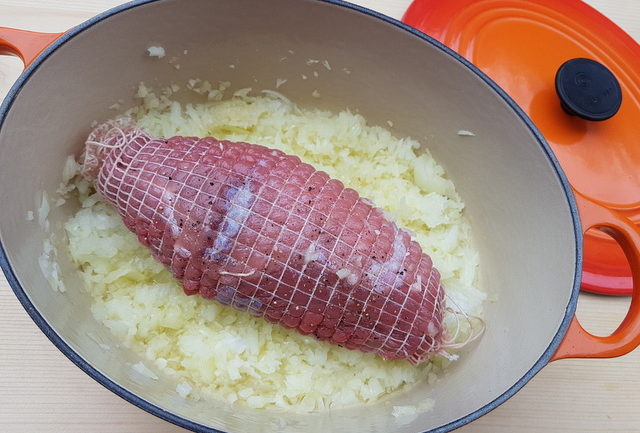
x: 42, y: 391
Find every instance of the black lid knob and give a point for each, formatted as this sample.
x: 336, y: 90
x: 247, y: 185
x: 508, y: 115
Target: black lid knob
x: 588, y: 89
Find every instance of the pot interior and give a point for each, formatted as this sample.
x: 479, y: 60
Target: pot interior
x: 515, y: 201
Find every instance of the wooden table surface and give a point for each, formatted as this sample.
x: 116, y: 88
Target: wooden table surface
x: 42, y: 391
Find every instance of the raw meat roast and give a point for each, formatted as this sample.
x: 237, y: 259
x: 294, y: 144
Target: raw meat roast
x: 259, y: 230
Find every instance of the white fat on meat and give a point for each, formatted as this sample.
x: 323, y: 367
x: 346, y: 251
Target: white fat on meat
x: 350, y: 277
x: 394, y: 262
x: 240, y: 201
x: 417, y: 284
x: 311, y: 254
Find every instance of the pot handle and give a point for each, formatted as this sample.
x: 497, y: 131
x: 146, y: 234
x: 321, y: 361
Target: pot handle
x: 578, y: 343
x: 25, y: 44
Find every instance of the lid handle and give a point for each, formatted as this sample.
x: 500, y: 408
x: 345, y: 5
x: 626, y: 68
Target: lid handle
x: 588, y: 89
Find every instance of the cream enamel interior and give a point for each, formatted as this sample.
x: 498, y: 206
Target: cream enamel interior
x: 520, y: 215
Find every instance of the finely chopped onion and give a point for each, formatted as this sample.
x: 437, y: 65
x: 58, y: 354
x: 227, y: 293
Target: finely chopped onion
x: 214, y: 352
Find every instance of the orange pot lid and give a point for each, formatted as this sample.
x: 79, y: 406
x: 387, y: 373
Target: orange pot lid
x: 522, y: 44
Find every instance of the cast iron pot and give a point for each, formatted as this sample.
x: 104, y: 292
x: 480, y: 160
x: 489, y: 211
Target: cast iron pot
x: 523, y: 213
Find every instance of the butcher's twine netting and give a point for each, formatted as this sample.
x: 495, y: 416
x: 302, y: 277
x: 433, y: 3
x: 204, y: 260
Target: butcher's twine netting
x: 103, y: 139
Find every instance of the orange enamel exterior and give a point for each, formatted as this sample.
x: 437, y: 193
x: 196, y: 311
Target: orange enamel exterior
x: 578, y: 343
x: 520, y: 44
x: 25, y: 44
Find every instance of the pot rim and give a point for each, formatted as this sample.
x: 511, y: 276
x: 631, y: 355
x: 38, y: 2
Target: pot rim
x: 153, y: 409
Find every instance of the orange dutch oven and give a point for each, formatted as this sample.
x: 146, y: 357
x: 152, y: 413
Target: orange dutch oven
x: 528, y: 222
